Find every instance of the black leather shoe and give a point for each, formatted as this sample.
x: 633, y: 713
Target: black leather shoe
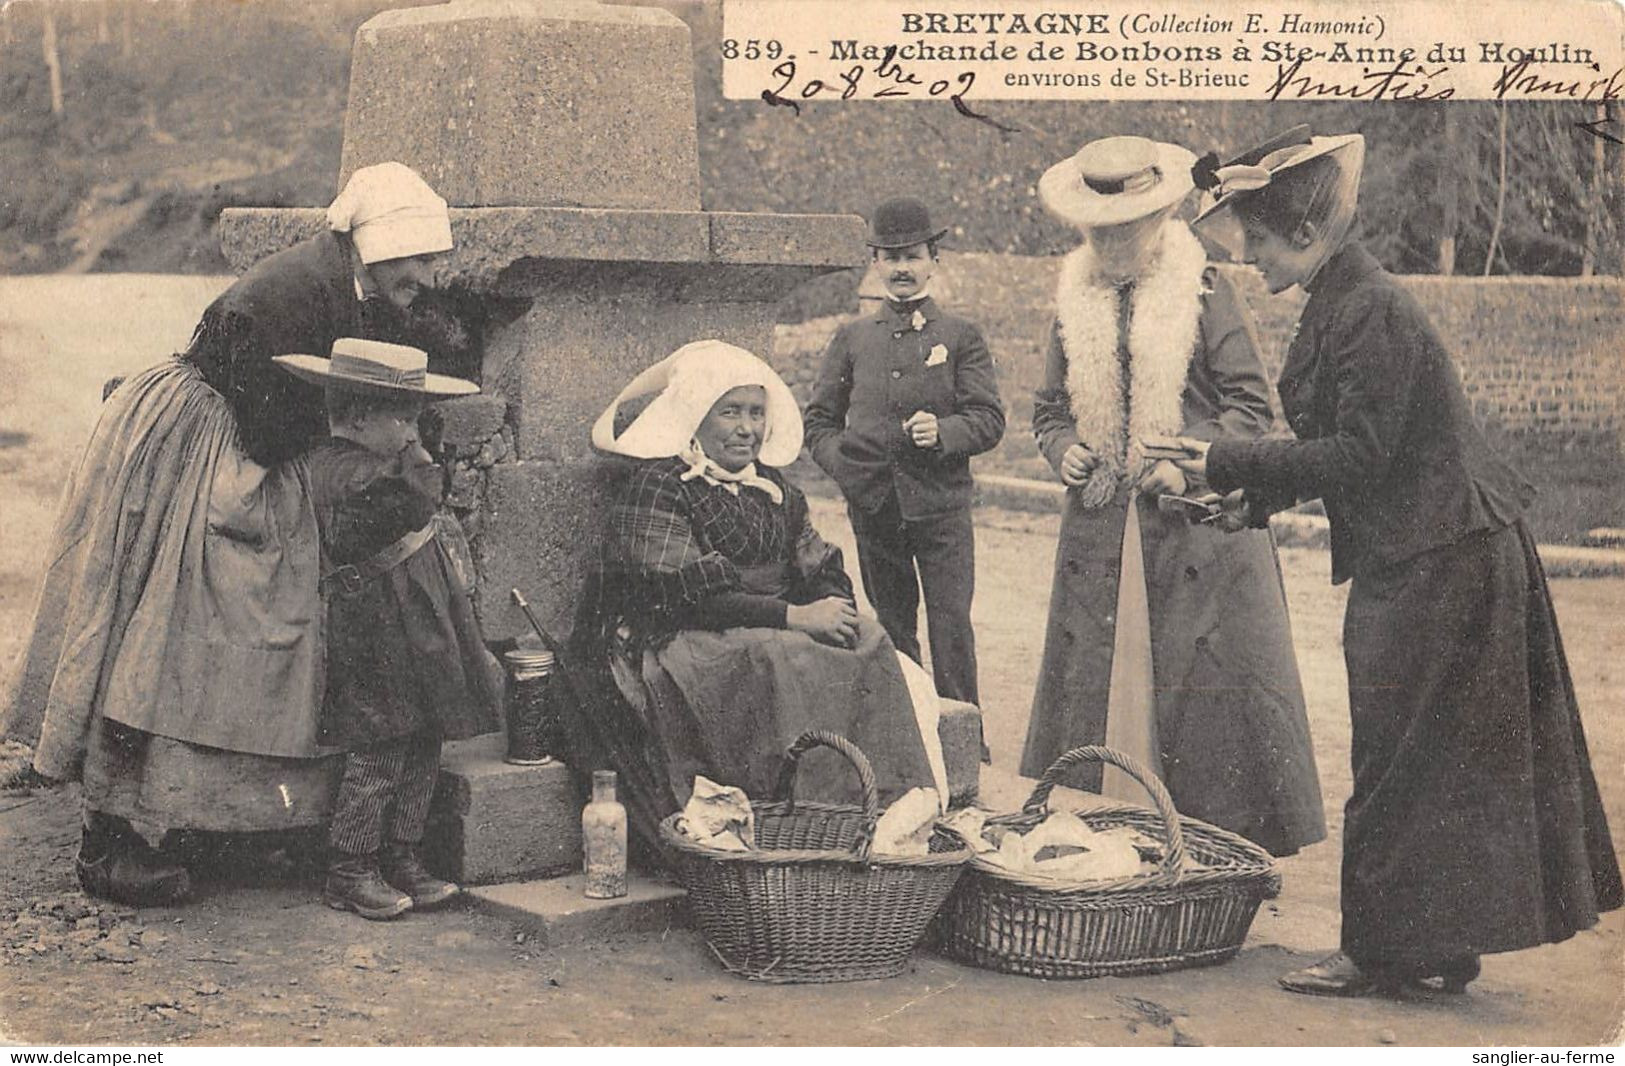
x: 1451, y: 975
x: 403, y: 870
x: 134, y: 875
x: 353, y: 884
x: 1335, y: 975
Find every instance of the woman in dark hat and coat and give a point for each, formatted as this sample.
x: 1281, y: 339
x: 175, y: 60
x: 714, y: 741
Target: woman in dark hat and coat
x: 1475, y: 824
x: 1166, y: 639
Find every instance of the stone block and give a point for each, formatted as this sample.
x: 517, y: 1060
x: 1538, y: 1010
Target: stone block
x: 472, y: 420
x: 490, y: 240
x: 561, y: 363
x: 514, y: 250
x: 493, y: 822
x: 464, y: 491
x: 499, y: 237
x: 502, y: 102
x: 960, y: 730
x: 544, y: 523
x: 554, y: 911
x: 249, y: 234
x: 834, y: 241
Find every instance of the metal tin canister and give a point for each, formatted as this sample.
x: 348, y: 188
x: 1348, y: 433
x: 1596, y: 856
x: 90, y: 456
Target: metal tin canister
x: 533, y: 720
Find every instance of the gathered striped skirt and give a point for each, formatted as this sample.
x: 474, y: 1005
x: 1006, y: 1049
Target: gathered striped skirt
x: 175, y: 655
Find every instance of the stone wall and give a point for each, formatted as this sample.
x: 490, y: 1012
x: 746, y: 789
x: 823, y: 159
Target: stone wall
x: 1540, y: 357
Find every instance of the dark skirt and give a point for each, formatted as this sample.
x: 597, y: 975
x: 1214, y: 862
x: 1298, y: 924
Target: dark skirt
x: 726, y: 704
x: 1475, y: 825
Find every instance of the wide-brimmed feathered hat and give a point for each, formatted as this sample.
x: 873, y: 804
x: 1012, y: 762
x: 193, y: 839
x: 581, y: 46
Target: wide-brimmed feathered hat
x: 377, y: 369
x: 1259, y: 165
x: 688, y: 382
x: 1115, y: 180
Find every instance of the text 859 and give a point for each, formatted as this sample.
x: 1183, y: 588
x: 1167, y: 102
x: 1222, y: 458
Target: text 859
x: 752, y: 49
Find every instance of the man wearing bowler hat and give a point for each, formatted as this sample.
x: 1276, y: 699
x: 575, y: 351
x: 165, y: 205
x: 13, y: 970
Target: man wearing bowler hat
x: 905, y: 397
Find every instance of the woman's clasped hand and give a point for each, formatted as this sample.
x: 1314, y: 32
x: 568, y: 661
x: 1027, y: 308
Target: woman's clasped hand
x: 831, y: 620
x: 1077, y: 462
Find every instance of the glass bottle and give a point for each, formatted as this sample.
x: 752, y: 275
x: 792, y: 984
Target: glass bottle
x: 603, y: 839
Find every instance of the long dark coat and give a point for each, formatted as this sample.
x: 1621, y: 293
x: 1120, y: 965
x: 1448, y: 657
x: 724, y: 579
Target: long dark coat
x: 1229, y: 706
x: 1475, y: 824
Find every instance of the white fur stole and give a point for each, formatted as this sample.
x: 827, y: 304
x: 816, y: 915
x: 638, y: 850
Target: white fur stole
x: 1166, y: 304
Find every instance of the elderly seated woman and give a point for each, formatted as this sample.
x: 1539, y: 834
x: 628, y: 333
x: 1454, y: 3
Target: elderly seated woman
x: 720, y: 625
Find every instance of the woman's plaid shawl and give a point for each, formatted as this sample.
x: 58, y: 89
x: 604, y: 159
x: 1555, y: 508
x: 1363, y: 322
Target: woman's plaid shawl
x: 673, y: 544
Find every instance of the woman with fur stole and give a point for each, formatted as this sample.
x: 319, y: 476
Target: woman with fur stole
x: 1167, y: 639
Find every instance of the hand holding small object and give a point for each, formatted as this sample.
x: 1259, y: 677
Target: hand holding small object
x: 921, y: 426
x: 831, y: 620
x: 1187, y: 453
x: 1194, y: 510
x: 1077, y: 462
x: 1233, y: 514
x: 1163, y: 479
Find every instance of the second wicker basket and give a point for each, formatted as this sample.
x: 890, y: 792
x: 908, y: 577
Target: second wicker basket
x: 1195, y: 910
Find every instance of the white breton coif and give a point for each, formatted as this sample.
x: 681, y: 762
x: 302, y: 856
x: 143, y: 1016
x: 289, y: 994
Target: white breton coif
x: 390, y: 213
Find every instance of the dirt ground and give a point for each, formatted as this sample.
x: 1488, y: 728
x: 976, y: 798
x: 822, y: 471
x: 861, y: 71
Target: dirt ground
x: 259, y: 961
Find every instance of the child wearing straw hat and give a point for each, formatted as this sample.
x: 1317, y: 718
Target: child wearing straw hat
x: 406, y: 666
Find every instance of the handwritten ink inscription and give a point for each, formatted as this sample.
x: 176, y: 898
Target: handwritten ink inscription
x: 885, y: 80
x: 1024, y: 50
x: 1517, y: 81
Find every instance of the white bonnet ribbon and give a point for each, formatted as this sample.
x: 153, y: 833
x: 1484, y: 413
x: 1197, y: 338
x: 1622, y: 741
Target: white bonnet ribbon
x: 703, y: 466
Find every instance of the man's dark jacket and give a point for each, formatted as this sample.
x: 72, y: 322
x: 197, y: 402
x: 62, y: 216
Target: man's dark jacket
x: 877, y: 371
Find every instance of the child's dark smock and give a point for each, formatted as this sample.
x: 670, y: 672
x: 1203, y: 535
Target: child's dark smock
x: 404, y: 654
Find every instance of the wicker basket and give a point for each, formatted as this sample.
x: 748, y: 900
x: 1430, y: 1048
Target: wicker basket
x: 1187, y: 914
x: 810, y: 903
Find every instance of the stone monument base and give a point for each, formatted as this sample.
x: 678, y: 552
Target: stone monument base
x: 492, y: 822
x: 554, y: 911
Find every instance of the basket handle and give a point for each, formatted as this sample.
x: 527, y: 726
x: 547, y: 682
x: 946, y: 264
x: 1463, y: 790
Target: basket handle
x: 823, y: 738
x: 1173, y: 864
